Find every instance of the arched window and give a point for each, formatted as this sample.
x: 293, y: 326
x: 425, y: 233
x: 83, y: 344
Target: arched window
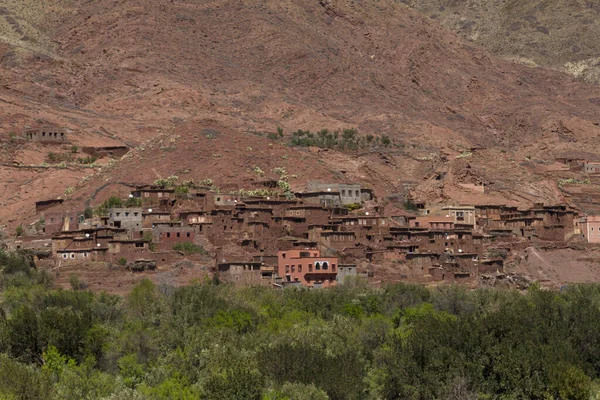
x: 325, y: 265
x: 318, y: 266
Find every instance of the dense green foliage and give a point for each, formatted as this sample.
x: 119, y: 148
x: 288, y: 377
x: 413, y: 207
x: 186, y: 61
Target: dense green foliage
x: 214, y: 341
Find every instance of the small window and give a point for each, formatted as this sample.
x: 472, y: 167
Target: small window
x: 318, y: 266
x: 64, y: 255
x: 343, y: 193
x: 187, y: 234
x: 333, y: 267
x: 300, y: 268
x: 127, y: 214
x: 283, y: 255
x: 310, y: 267
x: 178, y: 234
x: 72, y: 255
x: 325, y: 265
x: 287, y: 269
x: 168, y: 234
x: 135, y: 214
x: 293, y: 269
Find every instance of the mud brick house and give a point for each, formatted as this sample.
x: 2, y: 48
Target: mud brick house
x: 559, y: 222
x: 166, y: 237
x: 129, y: 249
x: 420, y: 264
x: 462, y: 215
x: 345, y: 270
x: 307, y: 267
x: 79, y: 246
x: 367, y: 194
x: 574, y: 163
x: 348, y: 193
x: 489, y: 215
x: 590, y: 167
x: 332, y: 238
x: 43, y: 205
x: 46, y: 134
x: 311, y: 214
x: 244, y: 273
x: 226, y: 200
x: 155, y: 196
x: 254, y: 213
x: 590, y: 228
x: 194, y: 200
x: 330, y: 199
x: 76, y: 255
x: 154, y: 217
x: 433, y: 222
x: 200, y: 220
x: 60, y: 221
x: 290, y: 243
x: 127, y: 218
x: 279, y: 204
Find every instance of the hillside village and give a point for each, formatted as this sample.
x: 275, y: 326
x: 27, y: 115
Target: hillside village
x: 315, y: 238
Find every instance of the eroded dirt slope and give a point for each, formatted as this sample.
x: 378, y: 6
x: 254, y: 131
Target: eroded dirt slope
x: 139, y: 72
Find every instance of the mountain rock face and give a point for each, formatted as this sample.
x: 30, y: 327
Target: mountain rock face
x: 558, y: 34
x: 195, y: 87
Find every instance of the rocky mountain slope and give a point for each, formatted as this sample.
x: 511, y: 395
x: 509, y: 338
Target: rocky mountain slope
x: 559, y: 34
x: 194, y: 88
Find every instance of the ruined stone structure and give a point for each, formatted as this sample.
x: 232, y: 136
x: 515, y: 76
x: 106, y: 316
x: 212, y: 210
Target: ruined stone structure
x: 46, y: 134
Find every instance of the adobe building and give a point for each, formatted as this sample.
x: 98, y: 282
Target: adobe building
x: 46, y: 204
x: 168, y: 236
x: 590, y: 167
x: 348, y: 193
x: 345, y: 270
x: 242, y: 273
x: 329, y: 199
x: 590, y: 228
x: 127, y: 218
x: 60, y: 221
x: 46, y: 134
x: 433, y: 222
x: 153, y: 217
x: 462, y: 215
x: 307, y: 268
x: 226, y: 200
x: 154, y: 196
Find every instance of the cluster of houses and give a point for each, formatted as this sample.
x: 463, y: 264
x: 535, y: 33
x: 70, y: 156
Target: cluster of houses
x: 317, y: 239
